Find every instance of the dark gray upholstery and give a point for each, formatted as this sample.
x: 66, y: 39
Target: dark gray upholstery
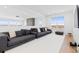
x: 39, y: 34
x: 59, y: 32
x: 3, y: 42
x: 43, y: 33
x: 42, y: 29
x: 34, y: 30
x: 7, y: 33
x: 20, y: 39
x: 18, y: 33
x: 49, y: 30
x: 25, y: 32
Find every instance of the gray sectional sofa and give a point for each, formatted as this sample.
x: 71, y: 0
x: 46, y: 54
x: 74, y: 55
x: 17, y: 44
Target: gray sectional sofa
x: 40, y: 34
x: 22, y: 36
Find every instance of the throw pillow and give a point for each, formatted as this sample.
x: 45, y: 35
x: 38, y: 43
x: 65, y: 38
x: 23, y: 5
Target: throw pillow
x: 45, y: 29
x: 39, y: 30
x: 12, y: 34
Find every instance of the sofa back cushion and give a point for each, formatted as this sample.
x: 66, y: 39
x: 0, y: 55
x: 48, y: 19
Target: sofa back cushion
x: 18, y: 33
x: 42, y: 29
x: 25, y: 31
x: 34, y: 30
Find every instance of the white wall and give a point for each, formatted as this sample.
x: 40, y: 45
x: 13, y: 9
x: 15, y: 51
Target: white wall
x: 9, y: 28
x: 12, y: 28
x: 75, y: 17
x: 43, y: 21
x: 76, y: 29
x: 40, y: 21
x: 68, y: 20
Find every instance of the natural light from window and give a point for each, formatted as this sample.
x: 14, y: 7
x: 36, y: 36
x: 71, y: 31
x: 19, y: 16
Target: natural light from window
x: 14, y: 22
x: 58, y: 20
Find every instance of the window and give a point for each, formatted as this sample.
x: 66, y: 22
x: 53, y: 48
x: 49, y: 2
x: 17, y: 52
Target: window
x: 59, y: 20
x: 4, y: 22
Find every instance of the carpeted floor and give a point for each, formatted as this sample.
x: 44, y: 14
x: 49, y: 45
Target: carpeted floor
x: 50, y: 43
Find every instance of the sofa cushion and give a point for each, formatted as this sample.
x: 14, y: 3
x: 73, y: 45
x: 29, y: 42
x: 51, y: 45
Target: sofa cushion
x: 47, y: 32
x: 42, y: 29
x: 17, y: 40
x: 25, y: 31
x: 34, y: 30
x: 41, y: 34
x: 18, y: 33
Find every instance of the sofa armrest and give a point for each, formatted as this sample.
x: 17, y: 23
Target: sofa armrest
x: 49, y: 30
x: 3, y: 42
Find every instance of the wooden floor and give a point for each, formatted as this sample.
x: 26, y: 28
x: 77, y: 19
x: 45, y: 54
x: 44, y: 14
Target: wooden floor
x: 66, y: 48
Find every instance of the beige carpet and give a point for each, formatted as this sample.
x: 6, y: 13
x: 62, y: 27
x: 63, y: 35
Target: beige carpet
x: 50, y: 43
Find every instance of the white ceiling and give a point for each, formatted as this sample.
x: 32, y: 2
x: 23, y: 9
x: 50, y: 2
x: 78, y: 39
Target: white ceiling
x: 32, y: 10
